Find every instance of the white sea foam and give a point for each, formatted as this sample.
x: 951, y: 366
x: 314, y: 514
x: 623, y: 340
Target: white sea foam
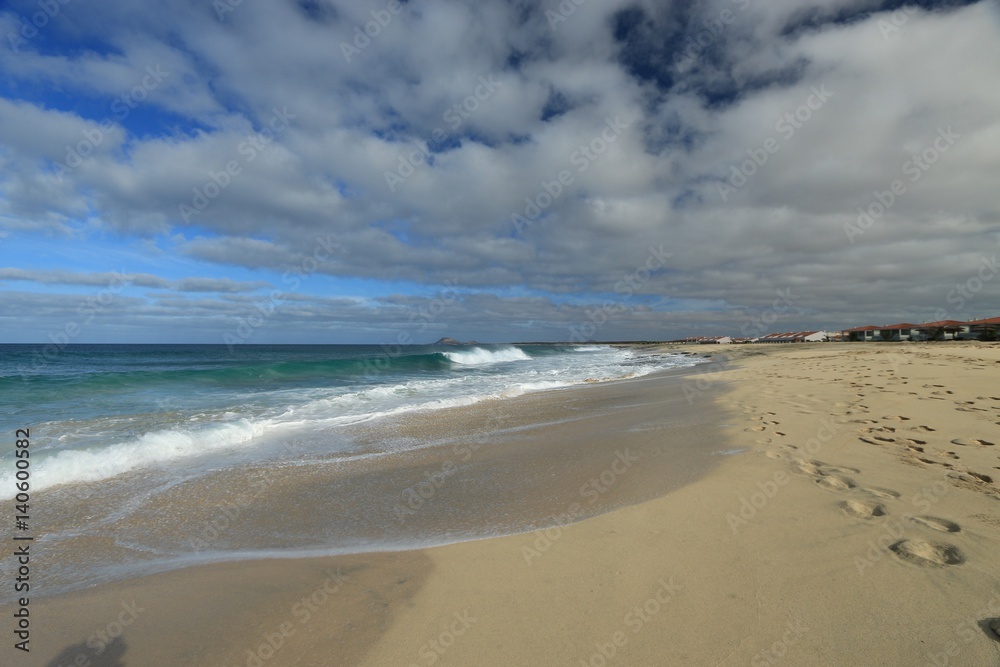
x: 91, y: 465
x: 478, y: 356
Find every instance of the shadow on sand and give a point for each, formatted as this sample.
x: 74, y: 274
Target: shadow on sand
x: 111, y: 656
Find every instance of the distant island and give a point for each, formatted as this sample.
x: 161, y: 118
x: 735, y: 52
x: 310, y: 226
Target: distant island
x: 452, y: 341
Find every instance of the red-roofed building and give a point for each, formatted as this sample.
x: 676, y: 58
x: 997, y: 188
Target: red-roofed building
x: 901, y: 331
x: 944, y: 330
x: 794, y: 337
x: 860, y: 334
x: 986, y: 329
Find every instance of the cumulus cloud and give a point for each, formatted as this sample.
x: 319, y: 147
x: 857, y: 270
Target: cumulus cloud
x: 529, y: 155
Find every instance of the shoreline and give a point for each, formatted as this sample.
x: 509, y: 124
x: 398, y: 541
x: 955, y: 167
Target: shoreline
x: 757, y: 554
x: 504, y: 459
x: 400, y: 500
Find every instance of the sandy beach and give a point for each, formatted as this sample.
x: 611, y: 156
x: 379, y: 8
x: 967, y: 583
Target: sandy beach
x: 818, y: 504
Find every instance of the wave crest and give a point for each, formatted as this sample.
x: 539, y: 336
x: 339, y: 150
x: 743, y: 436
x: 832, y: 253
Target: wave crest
x: 478, y: 356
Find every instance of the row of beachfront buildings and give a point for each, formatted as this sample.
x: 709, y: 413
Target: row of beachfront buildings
x: 984, y: 329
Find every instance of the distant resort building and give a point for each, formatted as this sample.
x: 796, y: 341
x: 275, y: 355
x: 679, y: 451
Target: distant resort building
x: 793, y: 337
x: 985, y: 329
x: 789, y: 337
x: 708, y: 340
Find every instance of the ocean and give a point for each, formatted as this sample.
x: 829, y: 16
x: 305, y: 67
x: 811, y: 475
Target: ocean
x: 116, y: 430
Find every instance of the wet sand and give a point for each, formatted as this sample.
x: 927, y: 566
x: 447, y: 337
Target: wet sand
x: 494, y: 468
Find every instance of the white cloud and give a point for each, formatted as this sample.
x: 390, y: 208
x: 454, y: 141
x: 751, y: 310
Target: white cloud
x: 656, y: 183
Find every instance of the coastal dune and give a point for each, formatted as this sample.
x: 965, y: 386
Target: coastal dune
x: 823, y: 504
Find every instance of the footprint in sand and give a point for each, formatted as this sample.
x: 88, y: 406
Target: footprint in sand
x: 896, y: 418
x: 976, y: 479
x: 834, y: 469
x: 923, y: 429
x: 836, y: 482
x: 932, y: 462
x: 971, y: 442
x: 862, y: 509
x: 920, y: 552
x: 879, y: 492
x: 936, y: 523
x: 807, y: 467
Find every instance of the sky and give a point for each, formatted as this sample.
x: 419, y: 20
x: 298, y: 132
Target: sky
x: 309, y: 171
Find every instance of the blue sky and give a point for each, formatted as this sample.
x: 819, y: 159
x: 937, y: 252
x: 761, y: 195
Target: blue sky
x: 180, y: 172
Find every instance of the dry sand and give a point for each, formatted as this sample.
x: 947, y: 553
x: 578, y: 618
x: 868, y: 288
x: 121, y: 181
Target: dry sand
x: 860, y: 527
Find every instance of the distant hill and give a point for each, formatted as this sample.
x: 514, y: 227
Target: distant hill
x: 452, y: 341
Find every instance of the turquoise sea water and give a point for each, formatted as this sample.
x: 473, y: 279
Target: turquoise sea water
x: 100, y: 411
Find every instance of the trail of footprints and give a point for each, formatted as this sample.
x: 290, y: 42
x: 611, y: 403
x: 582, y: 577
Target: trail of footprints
x: 870, y: 503
x: 873, y: 506
x: 916, y: 450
